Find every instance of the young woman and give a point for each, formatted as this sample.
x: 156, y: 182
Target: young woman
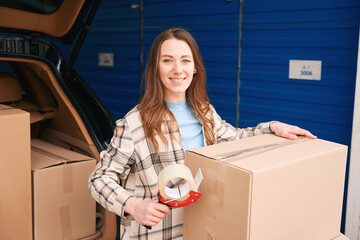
x: 174, y: 115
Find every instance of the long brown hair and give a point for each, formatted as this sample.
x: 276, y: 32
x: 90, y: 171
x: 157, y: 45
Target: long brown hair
x: 153, y: 108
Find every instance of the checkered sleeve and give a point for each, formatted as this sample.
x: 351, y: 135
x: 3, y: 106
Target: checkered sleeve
x: 114, y: 165
x: 226, y: 132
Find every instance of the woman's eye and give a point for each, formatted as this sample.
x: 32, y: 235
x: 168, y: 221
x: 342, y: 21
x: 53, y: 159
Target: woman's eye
x: 186, y: 61
x: 166, y: 60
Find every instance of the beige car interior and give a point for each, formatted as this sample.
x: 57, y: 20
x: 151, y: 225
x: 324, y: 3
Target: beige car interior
x: 53, y: 118
x: 55, y: 24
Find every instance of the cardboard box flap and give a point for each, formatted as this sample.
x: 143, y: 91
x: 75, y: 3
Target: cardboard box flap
x: 58, y: 152
x: 223, y: 151
x: 250, y: 152
x: 41, y: 160
x: 2, y: 106
x: 297, y: 149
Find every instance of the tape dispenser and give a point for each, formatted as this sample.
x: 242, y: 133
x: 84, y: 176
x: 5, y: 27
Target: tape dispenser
x: 184, y: 190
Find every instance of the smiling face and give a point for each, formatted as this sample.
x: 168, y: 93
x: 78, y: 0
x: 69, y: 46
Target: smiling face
x: 176, y: 69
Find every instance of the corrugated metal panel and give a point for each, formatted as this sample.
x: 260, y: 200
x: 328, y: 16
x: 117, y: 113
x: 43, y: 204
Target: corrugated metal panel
x: 116, y: 29
x: 313, y: 30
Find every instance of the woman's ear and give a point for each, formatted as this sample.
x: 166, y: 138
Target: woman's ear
x: 195, y: 70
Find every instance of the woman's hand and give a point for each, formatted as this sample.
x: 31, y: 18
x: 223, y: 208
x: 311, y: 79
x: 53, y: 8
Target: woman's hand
x: 289, y: 131
x: 146, y: 212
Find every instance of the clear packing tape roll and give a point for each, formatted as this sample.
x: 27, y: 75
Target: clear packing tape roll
x: 182, y: 179
x: 175, y: 173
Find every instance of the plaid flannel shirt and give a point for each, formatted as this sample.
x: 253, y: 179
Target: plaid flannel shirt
x: 130, y: 159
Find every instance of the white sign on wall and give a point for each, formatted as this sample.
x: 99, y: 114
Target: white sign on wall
x: 308, y: 70
x: 106, y: 59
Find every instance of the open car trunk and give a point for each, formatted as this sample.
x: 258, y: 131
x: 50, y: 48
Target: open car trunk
x: 32, y: 86
x: 64, y: 114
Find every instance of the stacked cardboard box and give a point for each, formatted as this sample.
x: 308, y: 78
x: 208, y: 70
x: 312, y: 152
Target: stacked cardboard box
x: 63, y: 207
x: 266, y: 187
x: 15, y: 177
x: 44, y: 192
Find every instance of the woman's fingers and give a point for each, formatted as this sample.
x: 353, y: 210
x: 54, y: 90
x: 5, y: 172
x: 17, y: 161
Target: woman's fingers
x: 162, y: 208
x: 289, y: 131
x: 146, y: 212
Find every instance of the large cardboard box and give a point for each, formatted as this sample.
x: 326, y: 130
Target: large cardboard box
x: 15, y: 177
x: 267, y: 187
x: 63, y: 207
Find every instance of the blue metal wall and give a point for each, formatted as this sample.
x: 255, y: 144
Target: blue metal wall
x: 272, y: 34
x: 116, y: 29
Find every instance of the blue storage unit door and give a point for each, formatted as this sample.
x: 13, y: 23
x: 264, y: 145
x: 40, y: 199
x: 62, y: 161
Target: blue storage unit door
x: 275, y: 32
x: 317, y: 30
x: 109, y: 61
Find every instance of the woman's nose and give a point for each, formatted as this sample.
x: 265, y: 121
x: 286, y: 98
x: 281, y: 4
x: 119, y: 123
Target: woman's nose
x: 177, y: 67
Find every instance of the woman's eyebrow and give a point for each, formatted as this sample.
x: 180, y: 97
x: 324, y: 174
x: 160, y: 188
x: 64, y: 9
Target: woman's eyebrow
x: 186, y: 56
x: 166, y: 55
x: 170, y: 56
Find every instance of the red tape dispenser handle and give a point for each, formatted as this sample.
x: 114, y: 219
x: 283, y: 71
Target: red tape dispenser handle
x: 193, y: 196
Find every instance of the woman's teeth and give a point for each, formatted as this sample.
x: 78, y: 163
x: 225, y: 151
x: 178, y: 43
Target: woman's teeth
x: 177, y: 79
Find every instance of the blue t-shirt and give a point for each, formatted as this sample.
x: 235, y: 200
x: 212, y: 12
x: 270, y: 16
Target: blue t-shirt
x: 190, y: 128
